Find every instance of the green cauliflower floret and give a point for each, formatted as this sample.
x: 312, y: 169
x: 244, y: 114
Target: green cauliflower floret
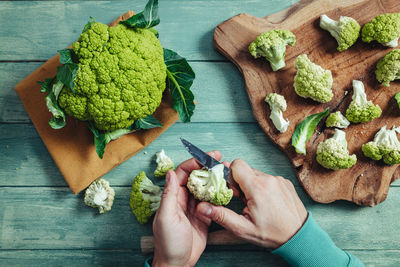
x: 121, y: 76
x: 388, y: 68
x: 272, y: 46
x: 164, y: 164
x: 337, y: 119
x: 145, y: 198
x: 333, y: 154
x: 360, y: 109
x: 312, y: 81
x: 384, y: 28
x: 385, y: 145
x: 100, y: 195
x: 345, y: 31
x: 210, y: 186
x: 277, y: 104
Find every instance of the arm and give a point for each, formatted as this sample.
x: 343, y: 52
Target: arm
x: 276, y: 218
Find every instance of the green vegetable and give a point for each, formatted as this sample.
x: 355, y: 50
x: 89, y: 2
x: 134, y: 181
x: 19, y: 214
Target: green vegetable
x: 345, y: 31
x: 337, y: 119
x: 145, y: 198
x: 180, y: 78
x: 360, y: 109
x: 53, y: 88
x: 210, y: 186
x: 100, y: 195
x: 164, y: 164
x: 312, y: 81
x: 333, y: 154
x: 305, y: 129
x: 272, y: 46
x: 277, y: 104
x: 384, y: 28
x: 385, y: 145
x: 114, y: 77
x: 388, y: 68
x: 397, y: 98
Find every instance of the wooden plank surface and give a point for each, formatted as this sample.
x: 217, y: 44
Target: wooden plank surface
x: 42, y: 223
x: 359, y: 183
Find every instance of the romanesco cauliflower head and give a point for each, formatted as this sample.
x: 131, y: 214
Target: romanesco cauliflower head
x: 145, y: 198
x: 388, y: 68
x: 333, y: 154
x: 210, y: 186
x: 345, y: 31
x: 386, y: 145
x: 100, y: 195
x: 164, y: 164
x: 312, y: 81
x: 121, y: 76
x: 277, y: 104
x: 360, y: 109
x: 384, y: 28
x: 272, y: 46
x: 337, y: 120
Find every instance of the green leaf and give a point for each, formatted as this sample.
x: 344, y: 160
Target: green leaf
x: 305, y: 129
x: 88, y: 25
x: 146, y: 123
x: 58, y: 119
x: 46, y: 85
x: 66, y: 74
x: 68, y: 56
x: 146, y: 19
x: 397, y: 98
x: 180, y: 78
x: 102, y: 138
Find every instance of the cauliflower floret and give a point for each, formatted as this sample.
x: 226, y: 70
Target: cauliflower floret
x: 121, y: 76
x: 337, y: 119
x: 333, y: 154
x: 345, y: 31
x: 272, y: 46
x: 145, y: 198
x: 385, y: 145
x: 312, y: 81
x: 360, y: 109
x: 388, y: 68
x: 277, y: 104
x: 210, y: 186
x: 164, y: 164
x: 384, y: 28
x: 100, y: 195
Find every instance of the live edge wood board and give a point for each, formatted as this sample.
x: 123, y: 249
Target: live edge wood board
x: 366, y: 183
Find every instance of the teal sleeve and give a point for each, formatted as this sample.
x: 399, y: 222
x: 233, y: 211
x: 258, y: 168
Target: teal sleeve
x: 311, y: 246
x: 148, y: 261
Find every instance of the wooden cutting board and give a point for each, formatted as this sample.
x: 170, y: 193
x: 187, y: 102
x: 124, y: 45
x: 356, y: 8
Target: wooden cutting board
x: 366, y: 183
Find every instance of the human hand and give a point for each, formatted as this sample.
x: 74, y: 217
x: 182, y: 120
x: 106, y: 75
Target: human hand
x: 180, y: 237
x: 274, y: 212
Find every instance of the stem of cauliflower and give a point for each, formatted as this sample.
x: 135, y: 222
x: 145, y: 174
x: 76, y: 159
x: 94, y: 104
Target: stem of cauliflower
x: 388, y: 138
x: 359, y: 95
x: 332, y: 26
x: 340, y: 136
x: 392, y: 43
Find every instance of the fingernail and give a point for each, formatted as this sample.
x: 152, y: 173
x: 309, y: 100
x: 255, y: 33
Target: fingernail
x: 205, y: 209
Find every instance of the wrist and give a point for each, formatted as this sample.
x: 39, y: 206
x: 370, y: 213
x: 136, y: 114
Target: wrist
x: 159, y: 262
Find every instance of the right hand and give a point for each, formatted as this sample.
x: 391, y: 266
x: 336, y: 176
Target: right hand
x: 274, y: 212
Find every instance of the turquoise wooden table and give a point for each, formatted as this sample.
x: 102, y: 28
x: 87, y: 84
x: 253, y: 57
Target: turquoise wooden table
x: 43, y: 223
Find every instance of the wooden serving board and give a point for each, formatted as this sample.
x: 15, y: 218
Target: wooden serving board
x: 367, y: 182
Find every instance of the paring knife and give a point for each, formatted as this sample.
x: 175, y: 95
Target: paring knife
x: 209, y: 162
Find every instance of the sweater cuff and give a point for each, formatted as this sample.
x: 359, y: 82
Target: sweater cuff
x: 311, y: 246
x: 148, y: 262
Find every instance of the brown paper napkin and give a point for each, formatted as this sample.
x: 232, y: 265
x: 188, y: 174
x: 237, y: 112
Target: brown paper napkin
x: 72, y: 147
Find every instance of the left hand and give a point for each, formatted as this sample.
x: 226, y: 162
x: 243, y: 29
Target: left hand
x: 180, y: 237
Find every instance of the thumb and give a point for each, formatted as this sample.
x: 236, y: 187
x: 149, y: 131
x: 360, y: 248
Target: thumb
x: 169, y: 196
x: 230, y: 220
